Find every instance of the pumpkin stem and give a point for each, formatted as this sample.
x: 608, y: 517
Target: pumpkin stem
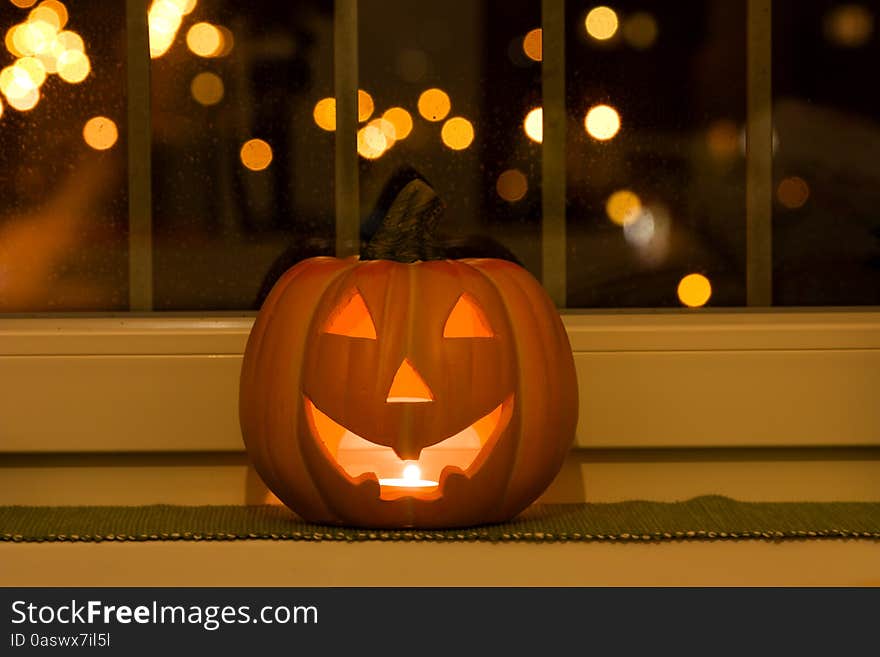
x: 407, y: 231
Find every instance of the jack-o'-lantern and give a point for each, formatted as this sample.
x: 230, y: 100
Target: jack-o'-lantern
x: 416, y: 393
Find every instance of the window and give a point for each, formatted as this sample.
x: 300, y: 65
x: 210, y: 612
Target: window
x: 198, y: 151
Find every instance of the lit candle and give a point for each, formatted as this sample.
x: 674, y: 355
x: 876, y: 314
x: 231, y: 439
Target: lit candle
x: 411, y: 478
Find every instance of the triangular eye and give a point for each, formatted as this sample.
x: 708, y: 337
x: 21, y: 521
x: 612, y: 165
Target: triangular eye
x: 467, y: 320
x: 352, y: 319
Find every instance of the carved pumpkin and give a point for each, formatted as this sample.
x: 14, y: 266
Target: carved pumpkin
x: 427, y: 393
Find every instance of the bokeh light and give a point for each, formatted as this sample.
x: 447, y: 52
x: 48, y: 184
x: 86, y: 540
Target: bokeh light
x: 623, y: 207
x: 54, y: 6
x: 533, y: 44
x: 694, y: 290
x: 457, y: 133
x: 534, y: 124
x: 16, y: 83
x: 602, y: 122
x: 434, y: 104
x: 100, y: 133
x: 601, y: 23
x: 793, y: 192
x: 325, y: 114
x: 371, y: 142
x: 204, y: 40
x: 48, y: 15
x: 512, y: 185
x: 387, y: 128
x: 849, y: 25
x: 73, y: 66
x: 70, y: 40
x: 24, y: 4
x: 9, y: 40
x: 256, y: 154
x: 164, y: 20
x: 640, y: 30
x: 26, y: 101
x: 722, y: 139
x: 33, y: 68
x: 401, y: 120
x: 33, y: 38
x: 1, y: 109
x: 365, y: 105
x: 207, y: 88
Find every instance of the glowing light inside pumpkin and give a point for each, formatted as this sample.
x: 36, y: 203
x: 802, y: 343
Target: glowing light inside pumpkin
x: 408, y: 386
x: 412, y: 478
x: 357, y: 456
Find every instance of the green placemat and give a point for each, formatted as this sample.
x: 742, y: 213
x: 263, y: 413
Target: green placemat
x: 702, y: 518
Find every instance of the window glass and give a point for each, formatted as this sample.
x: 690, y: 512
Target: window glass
x: 655, y: 154
x: 63, y: 164
x: 242, y: 178
x: 456, y: 80
x: 826, y: 116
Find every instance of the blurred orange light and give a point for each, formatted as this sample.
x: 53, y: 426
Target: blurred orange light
x: 325, y: 114
x: 25, y: 102
x: 24, y: 4
x: 10, y: 42
x: 164, y: 20
x: 387, y: 128
x: 602, y: 122
x: 365, y: 105
x: 534, y: 124
x: 33, y: 38
x: 56, y: 8
x: 371, y: 142
x: 694, y: 290
x: 434, y: 104
x: 16, y: 83
x: 623, y: 207
x: 640, y: 30
x: 512, y: 185
x: 207, y: 88
x: 533, y: 44
x: 256, y: 154
x: 34, y: 69
x: 47, y: 15
x: 457, y: 133
x: 722, y: 139
x: 401, y: 120
x: 793, y: 192
x: 73, y: 66
x: 71, y: 41
x: 100, y: 133
x: 204, y: 39
x: 601, y: 23
x: 184, y: 6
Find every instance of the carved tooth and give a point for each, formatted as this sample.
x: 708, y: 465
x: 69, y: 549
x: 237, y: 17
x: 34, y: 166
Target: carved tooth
x: 369, y: 483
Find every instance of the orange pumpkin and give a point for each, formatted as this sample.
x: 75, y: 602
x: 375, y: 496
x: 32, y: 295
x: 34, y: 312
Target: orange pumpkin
x: 433, y: 393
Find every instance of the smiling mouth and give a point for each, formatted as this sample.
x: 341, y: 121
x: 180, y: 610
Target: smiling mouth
x: 462, y: 453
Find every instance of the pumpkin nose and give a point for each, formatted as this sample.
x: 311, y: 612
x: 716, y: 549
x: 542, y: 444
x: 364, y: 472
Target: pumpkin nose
x: 408, y: 385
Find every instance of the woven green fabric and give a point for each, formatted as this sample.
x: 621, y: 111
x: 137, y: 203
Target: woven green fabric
x: 702, y: 518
